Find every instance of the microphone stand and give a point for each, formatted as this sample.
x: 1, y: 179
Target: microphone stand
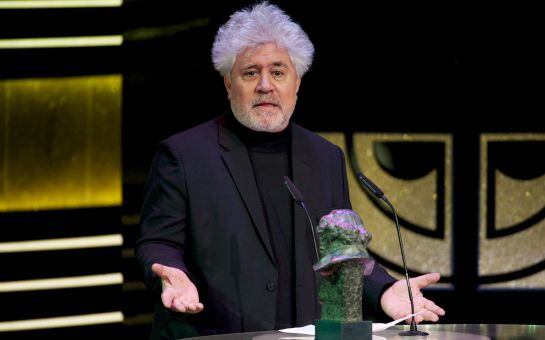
x: 298, y: 198
x: 413, y: 331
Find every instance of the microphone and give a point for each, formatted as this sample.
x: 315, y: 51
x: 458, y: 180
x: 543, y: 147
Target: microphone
x: 380, y: 195
x: 371, y: 186
x: 298, y: 198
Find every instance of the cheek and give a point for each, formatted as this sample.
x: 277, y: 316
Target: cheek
x: 289, y: 97
x: 289, y: 93
x: 241, y: 95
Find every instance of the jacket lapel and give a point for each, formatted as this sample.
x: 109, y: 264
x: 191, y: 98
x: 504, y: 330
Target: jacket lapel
x: 303, y: 177
x: 301, y: 168
x: 235, y: 156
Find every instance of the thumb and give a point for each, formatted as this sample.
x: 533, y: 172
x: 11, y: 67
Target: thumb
x: 160, y: 270
x: 426, y: 279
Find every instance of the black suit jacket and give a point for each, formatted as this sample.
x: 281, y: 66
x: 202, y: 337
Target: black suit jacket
x: 202, y: 214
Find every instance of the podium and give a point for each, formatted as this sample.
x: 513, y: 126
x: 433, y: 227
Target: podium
x: 436, y: 331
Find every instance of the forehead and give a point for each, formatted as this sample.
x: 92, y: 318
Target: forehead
x: 263, y: 56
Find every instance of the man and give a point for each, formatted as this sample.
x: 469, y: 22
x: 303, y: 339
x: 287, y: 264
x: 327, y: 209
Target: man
x: 222, y: 244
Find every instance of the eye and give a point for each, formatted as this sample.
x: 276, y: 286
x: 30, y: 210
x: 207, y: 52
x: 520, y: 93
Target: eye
x: 250, y: 73
x: 277, y: 74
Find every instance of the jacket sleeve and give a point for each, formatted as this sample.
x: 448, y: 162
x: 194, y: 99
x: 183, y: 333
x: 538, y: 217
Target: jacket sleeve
x: 379, y: 280
x: 162, y: 236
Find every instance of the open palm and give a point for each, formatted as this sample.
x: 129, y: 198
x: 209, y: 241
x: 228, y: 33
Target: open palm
x: 179, y: 293
x: 396, y: 304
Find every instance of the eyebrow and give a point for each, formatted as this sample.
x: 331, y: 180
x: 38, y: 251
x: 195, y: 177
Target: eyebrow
x: 279, y: 64
x: 275, y: 64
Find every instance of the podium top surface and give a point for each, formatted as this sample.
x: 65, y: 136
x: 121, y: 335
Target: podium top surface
x: 436, y: 331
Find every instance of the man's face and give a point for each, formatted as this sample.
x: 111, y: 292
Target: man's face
x: 263, y: 88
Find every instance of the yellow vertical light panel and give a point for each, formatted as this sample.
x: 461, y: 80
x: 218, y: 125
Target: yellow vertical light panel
x: 60, y: 143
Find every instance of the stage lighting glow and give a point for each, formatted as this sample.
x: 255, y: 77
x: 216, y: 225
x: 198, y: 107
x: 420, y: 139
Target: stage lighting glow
x: 62, y: 42
x: 62, y: 243
x: 62, y: 283
x: 65, y: 321
x: 29, y: 4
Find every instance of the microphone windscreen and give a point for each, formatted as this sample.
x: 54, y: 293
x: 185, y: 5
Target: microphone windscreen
x: 294, y: 192
x: 370, y: 185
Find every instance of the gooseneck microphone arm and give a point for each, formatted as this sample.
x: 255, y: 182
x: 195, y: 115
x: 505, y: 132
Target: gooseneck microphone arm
x: 380, y: 195
x: 298, y: 198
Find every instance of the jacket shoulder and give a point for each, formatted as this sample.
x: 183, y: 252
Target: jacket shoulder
x: 195, y: 137
x: 316, y: 140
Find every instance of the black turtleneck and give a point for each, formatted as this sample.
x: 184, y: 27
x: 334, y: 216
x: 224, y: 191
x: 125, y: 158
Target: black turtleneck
x: 270, y: 155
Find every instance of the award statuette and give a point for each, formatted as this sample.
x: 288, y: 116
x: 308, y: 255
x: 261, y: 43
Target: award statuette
x: 340, y: 276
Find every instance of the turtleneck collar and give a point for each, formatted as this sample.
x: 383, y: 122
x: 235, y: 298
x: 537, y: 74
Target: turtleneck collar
x: 259, y: 141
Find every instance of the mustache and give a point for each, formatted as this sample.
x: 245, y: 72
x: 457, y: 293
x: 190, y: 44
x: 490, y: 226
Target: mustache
x: 269, y: 100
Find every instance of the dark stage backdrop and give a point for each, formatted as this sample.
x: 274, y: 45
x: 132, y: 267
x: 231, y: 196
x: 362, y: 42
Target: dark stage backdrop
x: 441, y: 106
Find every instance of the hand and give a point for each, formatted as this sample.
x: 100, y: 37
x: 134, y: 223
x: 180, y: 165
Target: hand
x: 179, y: 293
x: 396, y: 304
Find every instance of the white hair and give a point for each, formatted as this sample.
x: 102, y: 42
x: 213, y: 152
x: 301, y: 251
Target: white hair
x: 260, y: 24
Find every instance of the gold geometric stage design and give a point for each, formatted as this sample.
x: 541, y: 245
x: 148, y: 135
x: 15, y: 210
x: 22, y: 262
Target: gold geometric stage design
x: 515, y: 201
x: 415, y: 201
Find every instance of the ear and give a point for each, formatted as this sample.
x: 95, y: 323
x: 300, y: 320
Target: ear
x: 227, y: 83
x: 297, y: 84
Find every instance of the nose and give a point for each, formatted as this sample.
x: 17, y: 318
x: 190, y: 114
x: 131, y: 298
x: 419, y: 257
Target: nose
x: 264, y: 85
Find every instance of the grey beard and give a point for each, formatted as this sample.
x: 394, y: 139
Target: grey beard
x: 261, y: 122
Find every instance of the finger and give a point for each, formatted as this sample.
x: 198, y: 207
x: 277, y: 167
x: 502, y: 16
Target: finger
x: 401, y: 314
x: 431, y: 306
x: 191, y: 304
x: 192, y: 308
x: 426, y: 316
x: 198, y: 307
x: 425, y: 280
x: 179, y: 306
x: 188, y: 303
x: 409, y: 320
x: 167, y: 298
